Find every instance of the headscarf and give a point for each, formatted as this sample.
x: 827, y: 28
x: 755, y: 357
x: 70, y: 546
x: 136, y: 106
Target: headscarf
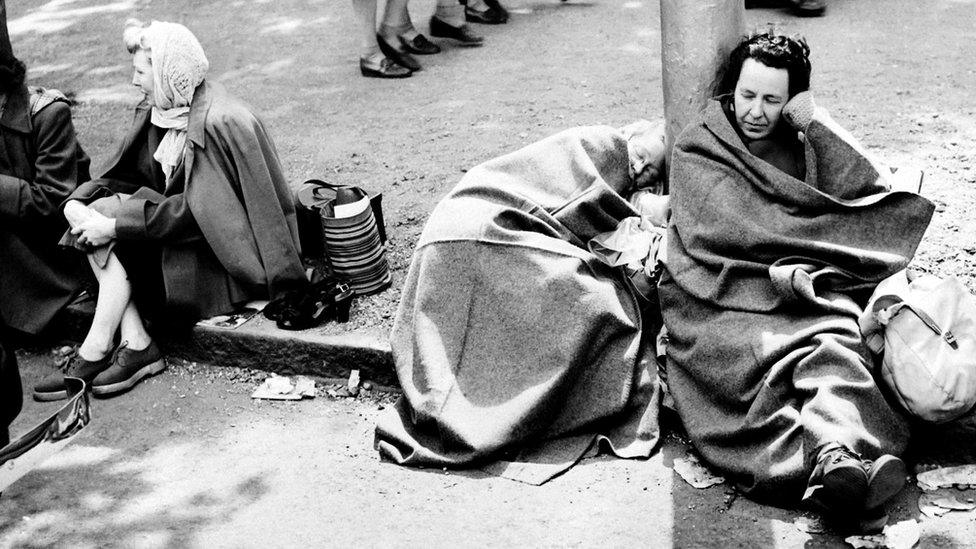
x: 178, y: 67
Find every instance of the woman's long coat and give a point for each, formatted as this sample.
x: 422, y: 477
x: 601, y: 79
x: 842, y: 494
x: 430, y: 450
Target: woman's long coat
x: 41, y: 163
x: 232, y: 192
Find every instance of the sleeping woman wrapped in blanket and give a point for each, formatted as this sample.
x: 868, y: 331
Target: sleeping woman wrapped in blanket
x: 517, y: 348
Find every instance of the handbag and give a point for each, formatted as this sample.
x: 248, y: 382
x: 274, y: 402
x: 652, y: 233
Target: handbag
x: 354, y: 245
x: 310, y: 197
x: 925, y: 332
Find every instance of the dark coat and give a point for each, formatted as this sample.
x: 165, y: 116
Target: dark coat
x: 41, y: 163
x: 232, y: 193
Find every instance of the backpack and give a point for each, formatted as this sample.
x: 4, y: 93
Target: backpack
x: 925, y: 331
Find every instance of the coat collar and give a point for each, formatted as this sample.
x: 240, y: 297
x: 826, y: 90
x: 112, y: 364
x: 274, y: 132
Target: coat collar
x: 16, y: 111
x: 199, y: 107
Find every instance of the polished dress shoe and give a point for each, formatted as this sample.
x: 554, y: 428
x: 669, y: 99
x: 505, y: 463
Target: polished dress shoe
x: 386, y: 68
x: 809, y: 8
x: 462, y: 34
x: 488, y: 17
x: 420, y: 45
x: 400, y: 57
x: 498, y: 7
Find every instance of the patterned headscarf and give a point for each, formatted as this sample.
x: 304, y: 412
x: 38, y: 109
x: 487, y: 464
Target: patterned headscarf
x: 178, y: 67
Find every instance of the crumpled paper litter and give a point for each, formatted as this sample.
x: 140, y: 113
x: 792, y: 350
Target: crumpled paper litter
x: 694, y: 473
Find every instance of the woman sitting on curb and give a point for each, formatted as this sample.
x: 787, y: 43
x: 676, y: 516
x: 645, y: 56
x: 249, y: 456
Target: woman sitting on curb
x: 780, y: 228
x: 193, y: 218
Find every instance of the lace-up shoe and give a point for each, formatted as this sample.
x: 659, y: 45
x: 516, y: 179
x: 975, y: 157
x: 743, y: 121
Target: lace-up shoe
x: 886, y: 477
x: 52, y: 387
x: 128, y: 368
x: 839, y: 481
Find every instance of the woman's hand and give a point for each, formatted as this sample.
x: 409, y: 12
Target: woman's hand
x: 75, y: 212
x: 95, y: 230
x: 645, y: 147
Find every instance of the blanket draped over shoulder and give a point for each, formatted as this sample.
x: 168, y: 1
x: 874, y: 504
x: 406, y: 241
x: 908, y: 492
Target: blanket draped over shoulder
x: 516, y: 348
x: 764, y: 276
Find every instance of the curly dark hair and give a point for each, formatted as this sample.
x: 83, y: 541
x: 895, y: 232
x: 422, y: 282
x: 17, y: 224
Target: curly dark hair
x: 12, y: 72
x: 772, y: 49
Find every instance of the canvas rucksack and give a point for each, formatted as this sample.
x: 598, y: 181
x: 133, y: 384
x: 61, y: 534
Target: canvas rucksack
x: 925, y: 332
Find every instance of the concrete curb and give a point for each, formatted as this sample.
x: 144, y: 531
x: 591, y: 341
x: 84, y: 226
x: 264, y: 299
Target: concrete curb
x: 259, y: 344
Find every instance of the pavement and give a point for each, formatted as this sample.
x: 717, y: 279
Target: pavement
x: 188, y: 459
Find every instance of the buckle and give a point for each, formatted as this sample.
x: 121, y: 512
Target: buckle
x: 342, y: 287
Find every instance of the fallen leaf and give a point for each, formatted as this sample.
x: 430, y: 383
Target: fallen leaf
x: 944, y: 477
x: 928, y: 508
x: 901, y: 535
x: 810, y: 525
x: 694, y: 473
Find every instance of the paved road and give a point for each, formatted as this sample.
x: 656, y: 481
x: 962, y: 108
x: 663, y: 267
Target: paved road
x: 187, y: 459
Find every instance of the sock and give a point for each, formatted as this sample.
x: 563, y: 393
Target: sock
x: 450, y: 13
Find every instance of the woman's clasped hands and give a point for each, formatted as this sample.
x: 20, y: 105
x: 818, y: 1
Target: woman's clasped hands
x: 91, y: 227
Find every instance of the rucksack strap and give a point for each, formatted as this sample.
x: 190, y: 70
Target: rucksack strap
x: 888, y: 299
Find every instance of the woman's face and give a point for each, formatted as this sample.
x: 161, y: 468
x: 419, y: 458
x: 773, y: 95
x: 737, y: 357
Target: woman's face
x: 760, y: 95
x: 142, y: 76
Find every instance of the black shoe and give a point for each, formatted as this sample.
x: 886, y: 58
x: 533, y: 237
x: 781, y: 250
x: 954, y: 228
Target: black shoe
x: 487, y: 17
x: 420, y: 45
x: 886, y: 477
x: 399, y: 57
x: 384, y: 69
x: 52, y: 387
x: 809, y: 8
x: 462, y: 34
x: 839, y: 482
x: 128, y: 368
x: 498, y: 7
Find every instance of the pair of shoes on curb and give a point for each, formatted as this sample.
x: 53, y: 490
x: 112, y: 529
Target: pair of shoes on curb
x: 850, y: 487
x: 463, y: 34
x: 399, y: 56
x: 115, y: 373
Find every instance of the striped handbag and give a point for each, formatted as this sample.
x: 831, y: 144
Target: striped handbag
x: 353, y: 241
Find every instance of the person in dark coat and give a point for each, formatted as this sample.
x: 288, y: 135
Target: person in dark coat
x: 192, y: 218
x: 774, y: 244
x: 41, y: 163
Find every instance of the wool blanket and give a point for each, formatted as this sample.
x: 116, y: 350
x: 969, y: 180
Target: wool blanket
x: 516, y: 348
x: 765, y: 278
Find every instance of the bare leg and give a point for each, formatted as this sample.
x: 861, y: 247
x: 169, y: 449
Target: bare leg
x: 113, y: 308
